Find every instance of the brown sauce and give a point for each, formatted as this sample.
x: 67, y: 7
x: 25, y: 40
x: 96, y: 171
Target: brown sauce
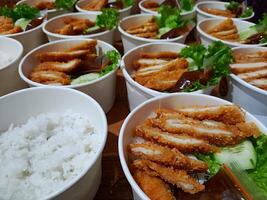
x: 34, y: 23
x: 220, y: 187
x: 176, y: 32
x: 116, y: 5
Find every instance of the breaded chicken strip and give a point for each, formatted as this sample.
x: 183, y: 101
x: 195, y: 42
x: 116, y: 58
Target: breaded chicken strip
x: 178, y: 178
x: 223, y: 26
x: 214, y: 11
x: 260, y: 56
x: 183, y: 143
x: 248, y: 76
x: 154, y: 187
x: 239, y: 68
x: 167, y: 156
x: 59, y: 66
x: 228, y: 114
x: 61, y: 56
x: 260, y: 83
x: 216, y: 133
x: 159, y: 55
x: 88, y: 45
x: 50, y: 76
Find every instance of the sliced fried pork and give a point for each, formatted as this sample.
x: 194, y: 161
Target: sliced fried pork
x: 178, y: 178
x: 88, y: 45
x: 260, y: 56
x: 214, y: 11
x: 225, y: 25
x: 159, y: 55
x: 154, y: 187
x: 237, y: 68
x: 167, y: 156
x: 183, y: 143
x: 50, y: 76
x: 249, y: 76
x: 260, y: 83
x: 228, y: 114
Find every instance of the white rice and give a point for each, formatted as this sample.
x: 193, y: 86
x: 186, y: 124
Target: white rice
x: 45, y: 154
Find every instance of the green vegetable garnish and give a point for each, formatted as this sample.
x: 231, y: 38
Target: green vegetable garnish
x: 65, y: 4
x: 169, y: 18
x: 259, y: 174
x: 248, y: 12
x: 85, y: 78
x: 194, y: 87
x: 114, y: 58
x: 108, y: 20
x: 20, y: 11
x: 218, y: 58
x: 233, y: 5
x: 213, y: 164
x: 196, y: 53
x: 260, y: 27
x: 127, y: 3
x: 187, y: 5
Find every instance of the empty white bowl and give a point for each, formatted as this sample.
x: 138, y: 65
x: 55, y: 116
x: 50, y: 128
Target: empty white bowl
x: 101, y: 89
x: 211, y: 4
x: 123, y: 12
x: 130, y: 41
x: 184, y: 14
x: 50, y: 13
x: 207, y: 39
x: 250, y: 97
x: 139, y: 114
x: 9, y: 76
x: 23, y: 104
x: 136, y: 92
x: 57, y: 22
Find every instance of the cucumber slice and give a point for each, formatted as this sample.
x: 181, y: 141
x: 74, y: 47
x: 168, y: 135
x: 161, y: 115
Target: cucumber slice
x: 244, y: 154
x: 85, y: 78
x: 22, y: 23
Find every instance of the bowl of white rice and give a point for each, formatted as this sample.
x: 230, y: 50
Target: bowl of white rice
x: 51, y: 143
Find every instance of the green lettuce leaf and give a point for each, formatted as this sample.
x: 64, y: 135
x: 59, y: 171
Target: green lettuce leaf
x: 213, y: 164
x: 108, y: 19
x: 187, y: 5
x: 65, y: 4
x: 127, y: 3
x: 114, y: 57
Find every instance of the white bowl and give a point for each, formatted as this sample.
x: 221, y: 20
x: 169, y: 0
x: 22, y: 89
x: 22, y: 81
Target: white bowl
x: 123, y: 12
x: 130, y: 41
x: 250, y: 97
x: 30, y: 39
x: 139, y: 114
x: 184, y: 14
x: 51, y: 25
x: 218, y: 5
x: 50, y: 13
x: 47, y: 99
x: 9, y: 76
x: 136, y: 92
x: 207, y: 39
x: 101, y: 89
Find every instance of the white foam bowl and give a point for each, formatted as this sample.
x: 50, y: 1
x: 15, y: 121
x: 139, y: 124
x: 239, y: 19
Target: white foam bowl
x: 48, y: 99
x: 101, y: 89
x: 136, y: 92
x: 30, y: 39
x: 218, y: 5
x: 130, y: 41
x: 184, y: 14
x: 9, y: 76
x: 139, y: 114
x: 207, y: 39
x: 50, y: 13
x: 81, y: 3
x: 248, y: 96
x: 53, y: 24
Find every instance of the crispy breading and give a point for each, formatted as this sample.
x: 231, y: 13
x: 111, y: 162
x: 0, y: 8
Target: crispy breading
x: 96, y: 5
x: 249, y: 76
x: 151, y: 35
x: 167, y: 156
x: 154, y: 187
x: 238, y: 68
x: 225, y: 25
x: 228, y: 114
x: 231, y: 37
x: 62, y: 56
x: 50, y: 76
x: 260, y: 56
x: 183, y: 143
x: 150, y: 5
x: 178, y: 178
x: 146, y: 62
x: 59, y: 66
x: 214, y: 132
x: 45, y: 5
x: 159, y: 55
x: 214, y: 11
x: 85, y: 45
x: 144, y: 29
x: 7, y: 26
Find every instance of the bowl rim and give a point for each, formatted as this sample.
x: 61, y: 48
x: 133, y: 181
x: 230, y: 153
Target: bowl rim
x: 124, y: 165
x: 77, y: 6
x: 216, y: 16
x: 48, y: 33
x: 48, y: 11
x: 76, y: 86
x: 102, y: 142
x: 142, y: 8
x: 123, y: 32
x: 235, y: 44
x: 244, y: 83
x: 19, y: 48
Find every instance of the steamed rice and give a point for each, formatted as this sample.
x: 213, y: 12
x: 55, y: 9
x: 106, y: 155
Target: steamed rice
x: 45, y: 154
